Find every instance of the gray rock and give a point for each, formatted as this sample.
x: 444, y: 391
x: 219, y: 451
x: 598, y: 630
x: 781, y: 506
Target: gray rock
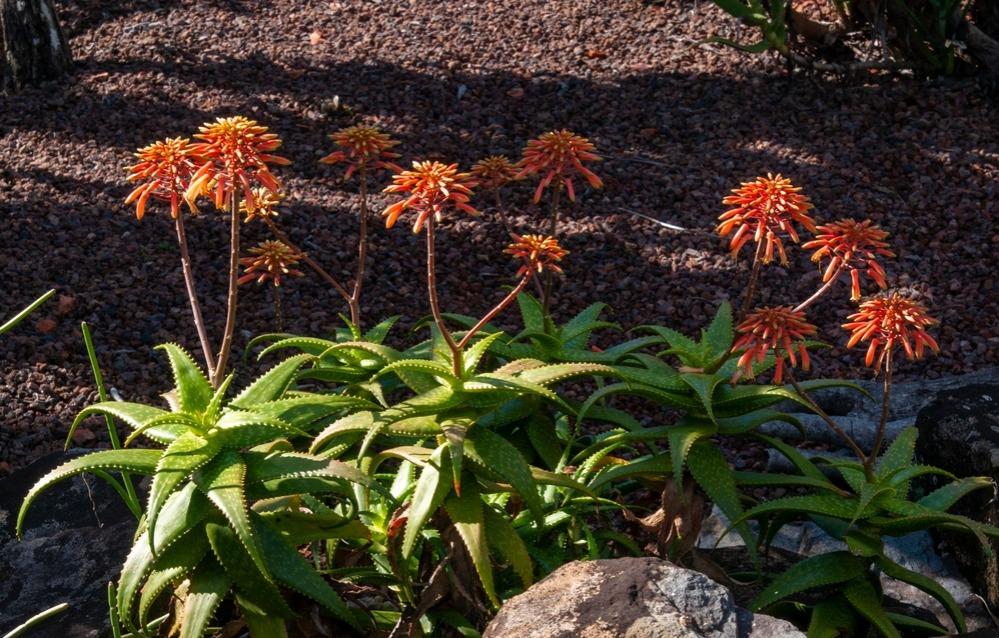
x: 630, y: 598
x: 76, y: 538
x: 959, y: 432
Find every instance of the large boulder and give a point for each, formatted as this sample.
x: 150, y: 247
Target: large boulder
x: 959, y: 432
x: 76, y: 538
x: 630, y: 598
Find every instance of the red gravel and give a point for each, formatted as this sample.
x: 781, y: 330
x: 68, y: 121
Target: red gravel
x: 679, y: 124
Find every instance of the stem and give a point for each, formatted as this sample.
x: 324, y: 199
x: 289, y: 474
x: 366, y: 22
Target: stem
x: 885, y: 406
x: 362, y: 251
x: 753, y: 278
x: 230, y: 316
x: 829, y: 421
x: 495, y: 311
x: 501, y: 211
x: 278, y: 318
x: 552, y: 227
x: 192, y: 295
x: 821, y: 291
x: 434, y: 305
x: 319, y: 270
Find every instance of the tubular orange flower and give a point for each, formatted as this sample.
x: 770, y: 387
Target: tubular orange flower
x: 763, y: 208
x: 270, y: 260
x: 431, y: 186
x: 766, y: 329
x: 536, y: 253
x: 557, y: 155
x: 363, y: 146
x: 494, y: 171
x: 888, y: 320
x: 264, y: 204
x: 164, y: 169
x: 852, y: 245
x: 234, y: 152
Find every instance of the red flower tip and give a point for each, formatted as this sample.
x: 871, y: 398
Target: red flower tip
x: 162, y: 172
x: 536, y: 252
x: 363, y: 146
x: 763, y: 208
x: 494, y: 171
x: 557, y: 156
x: 234, y: 153
x: 430, y: 187
x: 854, y: 246
x: 270, y: 260
x: 780, y: 329
x: 887, y: 321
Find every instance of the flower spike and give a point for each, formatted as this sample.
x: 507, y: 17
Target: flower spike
x: 363, y: 146
x: 234, y: 152
x: 852, y: 245
x: 264, y: 205
x: 270, y: 260
x: 766, y: 329
x: 887, y: 321
x: 163, y: 172
x: 557, y: 155
x: 536, y: 253
x: 494, y: 171
x: 763, y: 208
x: 431, y: 186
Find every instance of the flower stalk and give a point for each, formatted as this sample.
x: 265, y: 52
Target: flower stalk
x: 233, y: 296
x: 192, y: 295
x: 435, y: 309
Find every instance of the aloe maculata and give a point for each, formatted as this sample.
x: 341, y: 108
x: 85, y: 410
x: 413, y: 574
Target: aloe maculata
x: 230, y: 501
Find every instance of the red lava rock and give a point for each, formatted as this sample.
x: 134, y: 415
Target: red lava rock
x: 66, y: 304
x: 83, y: 435
x: 46, y: 325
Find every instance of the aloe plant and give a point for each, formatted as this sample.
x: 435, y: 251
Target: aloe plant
x: 223, y: 514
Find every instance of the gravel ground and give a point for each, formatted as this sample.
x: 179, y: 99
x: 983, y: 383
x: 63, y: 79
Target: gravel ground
x: 679, y: 125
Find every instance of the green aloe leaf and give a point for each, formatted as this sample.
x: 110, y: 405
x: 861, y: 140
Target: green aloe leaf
x: 134, y: 414
x: 867, y: 601
x: 505, y: 541
x: 928, y: 585
x: 832, y: 618
x: 176, y: 423
x: 717, y: 339
x: 307, y: 345
x: 681, y: 438
x: 262, y: 467
x: 182, y: 514
x: 473, y: 355
x: 422, y: 366
x: 223, y: 481
x: 823, y: 505
x: 356, y: 422
x: 378, y: 332
x: 135, y: 461
x: 899, y: 454
x: 294, y: 572
x: 272, y: 384
x: 194, y: 392
x: 181, y: 458
x: 214, y: 409
x: 760, y: 479
x: 455, y: 430
x: 311, y: 409
x: 654, y: 466
x: 801, y: 462
x: 531, y: 312
x: 492, y: 452
x: 245, y: 573
x: 711, y: 471
x: 943, y: 498
x: 704, y: 385
x: 815, y: 571
x: 431, y: 489
x: 239, y: 429
x: 747, y: 423
x: 261, y: 625
x: 208, y: 587
x: 300, y: 527
x: 552, y: 374
x: 576, y: 332
x: 176, y: 562
x: 466, y: 514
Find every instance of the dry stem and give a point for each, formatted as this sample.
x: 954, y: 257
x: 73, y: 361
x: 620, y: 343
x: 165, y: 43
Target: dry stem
x: 434, y: 305
x: 231, y: 300
x: 192, y: 295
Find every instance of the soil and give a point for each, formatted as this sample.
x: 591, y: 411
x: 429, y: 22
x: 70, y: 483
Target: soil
x: 679, y: 124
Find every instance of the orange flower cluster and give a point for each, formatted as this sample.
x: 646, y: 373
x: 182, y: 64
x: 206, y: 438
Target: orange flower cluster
x: 557, y: 155
x: 536, y: 253
x: 779, y: 328
x: 363, y: 146
x: 888, y: 320
x: 270, y: 260
x: 852, y: 245
x: 430, y: 185
x: 264, y: 204
x: 494, y: 171
x: 164, y: 169
x: 763, y: 208
x: 234, y: 152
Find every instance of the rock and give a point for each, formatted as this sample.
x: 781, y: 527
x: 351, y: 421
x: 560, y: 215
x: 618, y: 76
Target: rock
x: 959, y: 432
x: 630, y: 598
x: 76, y: 538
